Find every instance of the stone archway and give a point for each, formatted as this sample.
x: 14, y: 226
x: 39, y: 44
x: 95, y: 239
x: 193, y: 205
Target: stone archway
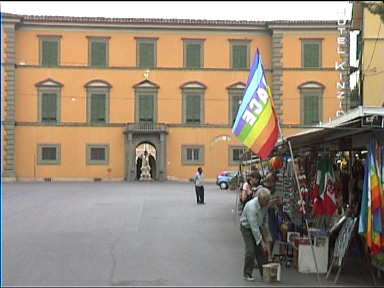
x: 150, y: 150
x: 141, y: 133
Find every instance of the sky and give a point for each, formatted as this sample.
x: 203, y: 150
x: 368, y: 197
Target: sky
x: 212, y: 10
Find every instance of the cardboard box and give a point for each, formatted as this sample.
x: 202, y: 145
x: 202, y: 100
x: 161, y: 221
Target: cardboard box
x: 306, y: 261
x: 271, y: 272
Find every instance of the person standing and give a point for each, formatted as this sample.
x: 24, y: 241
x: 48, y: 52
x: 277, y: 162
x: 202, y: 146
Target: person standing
x: 152, y: 164
x: 138, y: 167
x: 199, y: 187
x: 253, y: 220
x: 273, y: 223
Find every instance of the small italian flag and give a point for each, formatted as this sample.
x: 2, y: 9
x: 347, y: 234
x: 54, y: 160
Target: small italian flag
x: 325, y: 180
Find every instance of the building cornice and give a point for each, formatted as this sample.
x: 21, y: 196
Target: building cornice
x: 152, y: 26
x: 166, y: 24
x: 303, y: 27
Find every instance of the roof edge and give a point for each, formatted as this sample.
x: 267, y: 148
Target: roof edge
x: 160, y: 21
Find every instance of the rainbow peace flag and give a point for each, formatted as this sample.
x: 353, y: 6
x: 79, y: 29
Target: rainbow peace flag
x: 372, y: 208
x: 256, y: 124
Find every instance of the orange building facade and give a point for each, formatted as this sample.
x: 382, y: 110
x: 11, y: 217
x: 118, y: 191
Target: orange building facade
x: 80, y: 95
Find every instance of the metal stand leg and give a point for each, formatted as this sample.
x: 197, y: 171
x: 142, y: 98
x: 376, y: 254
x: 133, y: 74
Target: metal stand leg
x: 330, y: 268
x: 338, y: 274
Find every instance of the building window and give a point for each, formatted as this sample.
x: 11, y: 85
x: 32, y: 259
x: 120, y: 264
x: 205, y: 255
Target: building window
x: 146, y: 101
x: 98, y: 101
x: 48, y: 154
x: 97, y: 154
x: 235, y: 104
x: 48, y: 106
x: 146, y: 106
x: 192, y: 109
x: 235, y: 153
x: 193, y: 103
x: 239, y: 54
x: 311, y: 53
x: 235, y: 93
x: 98, y: 106
x: 49, y: 50
x: 311, y: 99
x: 192, y: 154
x: 193, y: 53
x: 98, y: 51
x: 49, y: 95
x: 146, y: 52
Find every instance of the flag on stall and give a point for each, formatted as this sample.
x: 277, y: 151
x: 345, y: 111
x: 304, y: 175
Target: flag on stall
x: 325, y: 180
x: 256, y: 124
x: 371, y: 212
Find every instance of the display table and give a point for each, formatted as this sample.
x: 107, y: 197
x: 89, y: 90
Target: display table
x: 306, y: 262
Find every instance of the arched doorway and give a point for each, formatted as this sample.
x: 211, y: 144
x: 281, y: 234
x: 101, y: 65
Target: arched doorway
x: 148, y: 150
x: 153, y: 134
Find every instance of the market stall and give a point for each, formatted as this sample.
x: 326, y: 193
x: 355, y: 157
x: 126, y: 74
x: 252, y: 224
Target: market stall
x: 339, y: 168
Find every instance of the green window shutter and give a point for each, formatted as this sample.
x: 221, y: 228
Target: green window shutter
x: 147, y: 55
x: 98, y: 108
x: 311, y: 109
x: 50, y: 53
x: 196, y: 154
x: 239, y: 56
x: 49, y: 107
x: 99, y: 53
x: 97, y: 154
x: 193, y: 56
x: 146, y: 108
x: 235, y: 107
x: 48, y: 153
x: 189, y: 154
x: 311, y: 55
x: 236, y: 154
x: 193, y: 108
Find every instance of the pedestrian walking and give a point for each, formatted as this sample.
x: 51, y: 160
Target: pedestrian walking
x: 199, y: 187
x: 252, y: 222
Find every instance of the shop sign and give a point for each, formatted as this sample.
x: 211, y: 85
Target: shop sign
x: 341, y: 66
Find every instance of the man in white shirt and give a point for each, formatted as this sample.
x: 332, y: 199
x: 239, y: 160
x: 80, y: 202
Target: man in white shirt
x: 199, y: 187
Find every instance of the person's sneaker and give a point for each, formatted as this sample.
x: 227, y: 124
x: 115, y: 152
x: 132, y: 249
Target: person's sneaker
x: 248, y: 278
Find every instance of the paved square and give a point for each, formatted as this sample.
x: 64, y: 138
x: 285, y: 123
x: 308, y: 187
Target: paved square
x: 127, y: 234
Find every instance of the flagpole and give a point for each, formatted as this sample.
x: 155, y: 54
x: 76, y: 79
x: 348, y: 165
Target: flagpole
x: 301, y: 200
x: 250, y: 119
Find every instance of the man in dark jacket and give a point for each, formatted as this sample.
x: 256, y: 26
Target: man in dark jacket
x: 138, y: 167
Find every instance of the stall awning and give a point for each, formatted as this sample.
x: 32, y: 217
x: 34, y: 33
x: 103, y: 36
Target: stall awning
x: 348, y: 132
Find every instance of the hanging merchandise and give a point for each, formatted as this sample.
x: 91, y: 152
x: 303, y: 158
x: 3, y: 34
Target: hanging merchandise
x: 276, y: 162
x: 303, y: 185
x: 292, y: 206
x: 324, y: 190
x: 370, y: 222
